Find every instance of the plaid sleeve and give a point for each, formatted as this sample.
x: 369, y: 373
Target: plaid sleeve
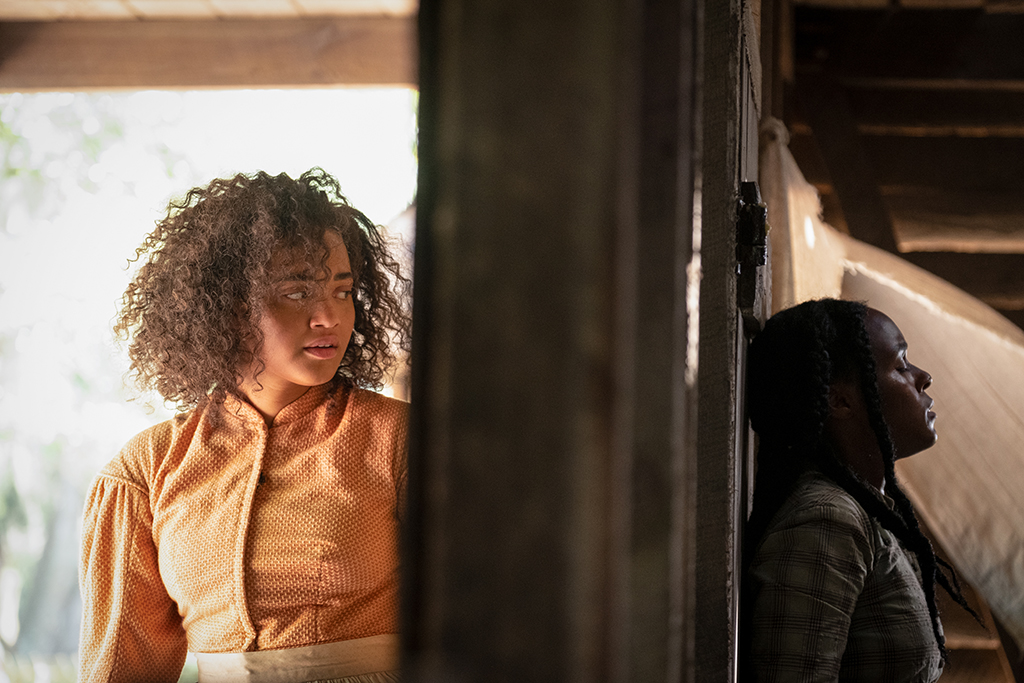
x: 806, y: 576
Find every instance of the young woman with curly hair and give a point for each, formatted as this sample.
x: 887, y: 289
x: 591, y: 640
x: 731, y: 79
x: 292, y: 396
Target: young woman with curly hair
x: 259, y: 527
x: 839, y: 579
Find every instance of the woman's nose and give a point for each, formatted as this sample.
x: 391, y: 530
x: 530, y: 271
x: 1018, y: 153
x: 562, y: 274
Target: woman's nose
x: 323, y: 313
x: 926, y: 379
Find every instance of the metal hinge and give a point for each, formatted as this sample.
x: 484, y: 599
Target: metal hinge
x: 751, y: 253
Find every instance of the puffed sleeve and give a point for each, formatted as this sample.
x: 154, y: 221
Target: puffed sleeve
x: 807, y: 575
x: 131, y: 630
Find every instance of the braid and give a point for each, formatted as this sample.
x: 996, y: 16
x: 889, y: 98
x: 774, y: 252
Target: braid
x: 791, y: 366
x: 793, y: 363
x: 787, y: 386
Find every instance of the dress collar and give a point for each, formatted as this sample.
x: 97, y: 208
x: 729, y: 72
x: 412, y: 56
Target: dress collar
x: 297, y: 409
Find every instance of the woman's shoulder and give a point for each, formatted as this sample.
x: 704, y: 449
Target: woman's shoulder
x: 144, y: 452
x: 821, y: 514
x: 817, y: 496
x: 371, y: 397
x: 367, y: 403
x: 378, y: 424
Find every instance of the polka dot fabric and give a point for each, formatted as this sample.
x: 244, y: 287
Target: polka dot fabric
x: 215, y: 533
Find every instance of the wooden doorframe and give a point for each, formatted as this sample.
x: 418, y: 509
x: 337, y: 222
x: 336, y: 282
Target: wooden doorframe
x: 732, y: 93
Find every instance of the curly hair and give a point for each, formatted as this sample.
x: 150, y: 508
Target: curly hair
x: 791, y: 365
x: 192, y: 312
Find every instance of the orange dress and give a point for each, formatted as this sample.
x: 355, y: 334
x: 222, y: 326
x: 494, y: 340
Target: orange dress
x: 213, y: 533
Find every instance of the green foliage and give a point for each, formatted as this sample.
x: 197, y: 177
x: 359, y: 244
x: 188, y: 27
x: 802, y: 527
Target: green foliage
x: 12, y: 509
x: 59, y: 669
x: 55, y: 149
x: 52, y: 141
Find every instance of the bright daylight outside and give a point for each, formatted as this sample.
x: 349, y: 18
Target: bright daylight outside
x: 84, y: 178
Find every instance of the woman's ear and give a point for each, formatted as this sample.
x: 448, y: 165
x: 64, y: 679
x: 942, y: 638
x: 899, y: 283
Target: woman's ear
x: 844, y: 399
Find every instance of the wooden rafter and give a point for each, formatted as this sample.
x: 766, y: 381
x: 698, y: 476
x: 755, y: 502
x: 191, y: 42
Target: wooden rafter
x: 826, y: 108
x: 207, y: 54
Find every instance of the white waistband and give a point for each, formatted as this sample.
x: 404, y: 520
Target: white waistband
x: 297, y: 664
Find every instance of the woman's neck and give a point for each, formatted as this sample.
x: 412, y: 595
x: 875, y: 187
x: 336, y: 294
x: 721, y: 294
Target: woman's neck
x: 269, y: 401
x: 856, y: 445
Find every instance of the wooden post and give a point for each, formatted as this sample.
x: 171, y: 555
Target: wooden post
x: 551, y: 514
x: 731, y: 113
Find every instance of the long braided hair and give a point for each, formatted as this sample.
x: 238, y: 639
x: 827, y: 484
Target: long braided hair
x: 791, y: 365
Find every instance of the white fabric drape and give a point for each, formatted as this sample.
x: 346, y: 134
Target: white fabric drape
x: 969, y: 488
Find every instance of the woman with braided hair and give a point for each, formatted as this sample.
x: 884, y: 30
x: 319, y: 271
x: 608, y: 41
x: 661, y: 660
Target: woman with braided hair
x: 259, y: 527
x: 839, y: 579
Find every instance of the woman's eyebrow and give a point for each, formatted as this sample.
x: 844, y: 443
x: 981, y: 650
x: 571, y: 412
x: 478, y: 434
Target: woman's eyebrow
x: 307, y: 276
x: 298, y: 276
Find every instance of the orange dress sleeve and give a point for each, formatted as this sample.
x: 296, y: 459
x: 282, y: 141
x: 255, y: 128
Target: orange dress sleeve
x: 131, y: 630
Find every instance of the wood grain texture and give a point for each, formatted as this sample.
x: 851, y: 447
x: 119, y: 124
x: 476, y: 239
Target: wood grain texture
x: 207, y: 54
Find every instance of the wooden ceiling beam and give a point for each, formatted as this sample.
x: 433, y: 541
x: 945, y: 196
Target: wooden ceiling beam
x: 924, y: 130
x: 825, y: 106
x: 103, y: 55
x: 974, y: 222
x: 955, y: 46
x: 947, y: 165
x: 1005, y: 6
x: 935, y: 99
x: 948, y: 84
x: 952, y: 164
x: 993, y: 278
x: 932, y: 113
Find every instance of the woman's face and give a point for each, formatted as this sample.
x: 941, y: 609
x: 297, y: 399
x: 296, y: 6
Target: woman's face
x: 307, y: 321
x: 901, y: 385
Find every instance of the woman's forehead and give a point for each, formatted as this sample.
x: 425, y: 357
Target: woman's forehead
x: 883, y: 332
x: 290, y: 257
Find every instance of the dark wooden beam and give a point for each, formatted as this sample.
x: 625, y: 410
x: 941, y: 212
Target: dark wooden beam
x: 940, y: 83
x: 825, y: 106
x: 92, y: 55
x: 899, y: 112
x: 952, y: 110
x: 965, y: 44
x: 997, y: 279
x: 1017, y: 318
x: 967, y: 221
x: 951, y: 165
x: 973, y: 221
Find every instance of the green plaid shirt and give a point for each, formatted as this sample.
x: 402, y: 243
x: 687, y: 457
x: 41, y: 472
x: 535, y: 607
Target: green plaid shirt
x: 835, y: 597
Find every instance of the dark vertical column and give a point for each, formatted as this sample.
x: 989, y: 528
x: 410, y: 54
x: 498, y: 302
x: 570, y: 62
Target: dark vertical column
x: 730, y: 147
x: 658, y: 622
x: 549, y: 524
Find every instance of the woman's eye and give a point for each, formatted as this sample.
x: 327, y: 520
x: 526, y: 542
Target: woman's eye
x: 295, y: 296
x: 344, y: 294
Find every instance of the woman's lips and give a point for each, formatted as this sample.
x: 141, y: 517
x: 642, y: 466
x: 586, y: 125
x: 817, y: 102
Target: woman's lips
x: 322, y: 350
